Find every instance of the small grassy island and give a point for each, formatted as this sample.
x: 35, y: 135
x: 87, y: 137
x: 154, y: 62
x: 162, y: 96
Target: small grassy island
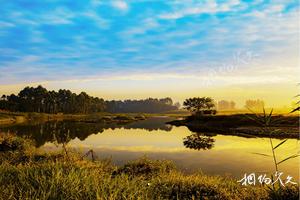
x: 203, y: 119
x: 240, y: 125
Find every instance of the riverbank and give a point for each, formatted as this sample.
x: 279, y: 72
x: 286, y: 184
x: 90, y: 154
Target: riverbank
x: 26, y: 173
x: 13, y: 118
x: 240, y: 125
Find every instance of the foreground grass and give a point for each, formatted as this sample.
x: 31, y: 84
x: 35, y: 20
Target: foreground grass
x: 28, y: 174
x: 143, y: 179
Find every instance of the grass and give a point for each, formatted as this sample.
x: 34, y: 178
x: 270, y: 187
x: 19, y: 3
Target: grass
x: 29, y: 174
x: 12, y: 118
x: 99, y: 180
x: 7, y: 118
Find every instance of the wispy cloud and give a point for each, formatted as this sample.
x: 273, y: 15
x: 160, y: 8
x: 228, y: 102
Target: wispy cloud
x: 144, y: 26
x: 58, y: 16
x: 100, y: 21
x: 206, y: 7
x: 121, y: 5
x: 4, y: 24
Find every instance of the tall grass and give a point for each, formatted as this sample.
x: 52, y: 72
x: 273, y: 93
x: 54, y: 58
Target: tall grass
x: 85, y: 180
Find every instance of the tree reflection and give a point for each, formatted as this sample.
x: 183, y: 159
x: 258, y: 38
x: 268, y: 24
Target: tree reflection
x: 62, y: 132
x: 198, y: 141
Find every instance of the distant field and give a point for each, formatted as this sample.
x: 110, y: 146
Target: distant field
x: 268, y: 110
x: 184, y: 112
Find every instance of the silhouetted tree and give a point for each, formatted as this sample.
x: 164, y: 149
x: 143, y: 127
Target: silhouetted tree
x: 203, y: 105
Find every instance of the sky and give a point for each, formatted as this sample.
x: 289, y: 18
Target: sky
x: 233, y: 49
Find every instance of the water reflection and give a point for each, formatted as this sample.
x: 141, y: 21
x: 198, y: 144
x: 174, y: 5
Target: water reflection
x: 198, y: 142
x: 63, y: 132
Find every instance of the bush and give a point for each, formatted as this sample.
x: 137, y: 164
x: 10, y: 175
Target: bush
x: 145, y: 167
x: 123, y: 118
x: 9, y: 142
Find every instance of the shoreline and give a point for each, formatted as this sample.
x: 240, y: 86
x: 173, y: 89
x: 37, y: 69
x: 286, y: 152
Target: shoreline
x: 15, y: 118
x: 239, y: 125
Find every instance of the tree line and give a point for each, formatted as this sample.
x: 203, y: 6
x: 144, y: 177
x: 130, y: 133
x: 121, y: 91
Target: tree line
x: 39, y: 99
x: 150, y: 105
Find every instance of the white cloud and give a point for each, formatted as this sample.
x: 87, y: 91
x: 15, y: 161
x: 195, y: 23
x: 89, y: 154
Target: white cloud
x: 30, y: 59
x: 4, y: 24
x: 228, y: 5
x: 101, y: 22
x: 209, y: 7
x: 20, y: 18
x: 146, y: 25
x: 58, y: 16
x: 275, y: 9
x: 121, y: 5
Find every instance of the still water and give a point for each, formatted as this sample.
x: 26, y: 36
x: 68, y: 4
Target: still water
x: 210, y: 153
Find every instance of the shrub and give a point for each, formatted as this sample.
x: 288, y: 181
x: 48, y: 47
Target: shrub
x: 9, y: 142
x: 145, y: 167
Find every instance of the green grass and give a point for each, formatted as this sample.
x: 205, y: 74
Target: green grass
x: 101, y: 180
x: 11, y: 118
x: 29, y: 174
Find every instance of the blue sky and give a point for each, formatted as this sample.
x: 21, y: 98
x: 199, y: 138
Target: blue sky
x: 68, y: 41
